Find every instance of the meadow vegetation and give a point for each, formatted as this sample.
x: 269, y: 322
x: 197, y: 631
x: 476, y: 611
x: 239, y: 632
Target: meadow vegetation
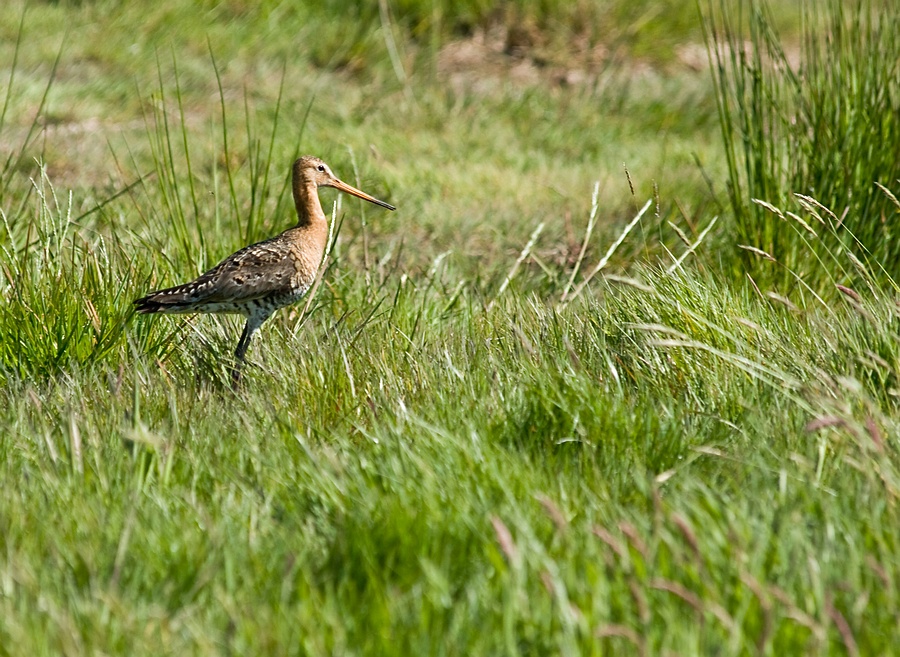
x: 618, y: 377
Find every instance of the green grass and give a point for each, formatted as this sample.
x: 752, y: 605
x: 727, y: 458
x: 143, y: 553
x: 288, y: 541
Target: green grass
x: 812, y: 123
x: 475, y: 442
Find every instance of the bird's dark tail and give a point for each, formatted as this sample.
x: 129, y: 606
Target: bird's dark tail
x: 176, y: 299
x: 148, y: 305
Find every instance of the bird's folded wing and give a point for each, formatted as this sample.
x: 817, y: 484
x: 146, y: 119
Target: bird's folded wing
x: 254, y: 272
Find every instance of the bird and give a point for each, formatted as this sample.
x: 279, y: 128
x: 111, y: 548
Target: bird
x: 259, y: 279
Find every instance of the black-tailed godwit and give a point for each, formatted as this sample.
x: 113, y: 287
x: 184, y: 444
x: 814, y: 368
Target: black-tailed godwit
x: 263, y: 277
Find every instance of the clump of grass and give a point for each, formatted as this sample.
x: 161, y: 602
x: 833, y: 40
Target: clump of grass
x: 823, y: 123
x: 63, y: 289
x: 63, y: 283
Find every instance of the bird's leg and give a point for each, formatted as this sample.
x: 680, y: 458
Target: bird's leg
x: 241, y: 351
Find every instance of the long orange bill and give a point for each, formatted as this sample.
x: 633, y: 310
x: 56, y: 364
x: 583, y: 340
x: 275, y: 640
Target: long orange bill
x: 344, y: 187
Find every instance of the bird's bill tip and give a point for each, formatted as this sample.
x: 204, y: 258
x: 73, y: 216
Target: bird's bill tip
x: 344, y: 187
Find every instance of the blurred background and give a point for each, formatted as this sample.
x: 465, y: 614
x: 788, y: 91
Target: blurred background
x: 482, y: 118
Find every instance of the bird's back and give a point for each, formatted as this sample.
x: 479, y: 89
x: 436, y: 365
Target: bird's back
x: 259, y: 278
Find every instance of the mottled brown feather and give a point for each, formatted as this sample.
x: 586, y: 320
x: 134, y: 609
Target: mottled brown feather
x: 275, y: 269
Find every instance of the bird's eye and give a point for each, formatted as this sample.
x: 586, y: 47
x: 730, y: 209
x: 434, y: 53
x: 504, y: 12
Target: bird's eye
x: 321, y: 168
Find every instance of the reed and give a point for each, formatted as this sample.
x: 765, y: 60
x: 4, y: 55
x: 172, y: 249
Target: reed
x: 817, y: 119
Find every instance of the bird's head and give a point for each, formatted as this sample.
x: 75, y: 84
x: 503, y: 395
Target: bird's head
x: 310, y: 169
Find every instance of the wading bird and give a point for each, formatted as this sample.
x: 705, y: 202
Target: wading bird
x: 263, y: 277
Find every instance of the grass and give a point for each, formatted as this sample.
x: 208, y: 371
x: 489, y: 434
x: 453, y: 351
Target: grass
x: 812, y: 124
x: 462, y: 448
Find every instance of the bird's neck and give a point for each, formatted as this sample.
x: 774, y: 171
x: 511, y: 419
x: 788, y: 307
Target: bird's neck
x: 309, y: 209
